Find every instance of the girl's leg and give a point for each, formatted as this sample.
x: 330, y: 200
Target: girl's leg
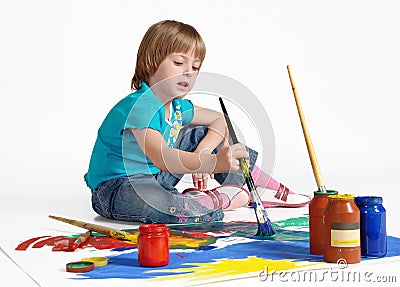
x: 280, y: 195
x: 262, y: 179
x: 188, y: 139
x: 140, y: 198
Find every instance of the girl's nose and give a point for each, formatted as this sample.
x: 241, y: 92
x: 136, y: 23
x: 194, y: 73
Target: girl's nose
x: 187, y: 71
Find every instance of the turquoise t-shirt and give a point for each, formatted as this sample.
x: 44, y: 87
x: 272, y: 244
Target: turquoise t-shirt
x: 116, y: 152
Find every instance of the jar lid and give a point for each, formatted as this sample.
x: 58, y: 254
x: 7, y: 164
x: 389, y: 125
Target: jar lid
x: 154, y: 227
x: 80, y: 266
x: 97, y: 261
x: 346, y: 196
x: 328, y: 192
x: 368, y: 200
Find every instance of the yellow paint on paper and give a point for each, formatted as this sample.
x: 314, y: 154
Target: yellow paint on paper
x: 232, y: 267
x: 176, y: 241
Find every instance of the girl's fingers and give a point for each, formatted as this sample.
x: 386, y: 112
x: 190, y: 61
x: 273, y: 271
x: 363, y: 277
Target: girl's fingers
x: 239, y: 151
x: 195, y: 179
x: 200, y: 180
x: 205, y: 180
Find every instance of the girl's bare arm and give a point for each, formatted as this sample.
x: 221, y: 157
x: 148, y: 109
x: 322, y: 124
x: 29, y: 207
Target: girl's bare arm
x: 177, y: 161
x: 216, y: 128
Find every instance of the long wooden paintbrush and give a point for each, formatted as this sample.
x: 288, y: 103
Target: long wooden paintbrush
x: 307, y: 137
x: 116, y: 233
x: 112, y: 232
x: 265, y: 227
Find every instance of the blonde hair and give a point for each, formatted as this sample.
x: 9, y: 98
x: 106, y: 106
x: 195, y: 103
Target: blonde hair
x: 161, y: 40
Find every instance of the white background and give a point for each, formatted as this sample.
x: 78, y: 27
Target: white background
x: 64, y: 64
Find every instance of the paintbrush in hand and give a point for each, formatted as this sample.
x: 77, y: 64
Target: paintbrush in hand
x: 265, y: 227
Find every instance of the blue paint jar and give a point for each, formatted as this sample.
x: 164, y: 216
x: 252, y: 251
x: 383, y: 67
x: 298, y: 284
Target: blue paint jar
x: 372, y: 226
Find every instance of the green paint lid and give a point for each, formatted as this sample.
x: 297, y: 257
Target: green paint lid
x: 328, y: 192
x: 80, y: 266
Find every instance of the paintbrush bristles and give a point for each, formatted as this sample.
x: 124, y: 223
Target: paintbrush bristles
x: 265, y: 227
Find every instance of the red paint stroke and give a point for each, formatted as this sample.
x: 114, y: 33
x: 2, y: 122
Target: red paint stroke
x: 63, y: 243
x: 190, y: 231
x: 103, y: 242
x: 223, y: 232
x: 24, y: 245
x: 179, y: 255
x: 189, y: 234
x: 50, y: 241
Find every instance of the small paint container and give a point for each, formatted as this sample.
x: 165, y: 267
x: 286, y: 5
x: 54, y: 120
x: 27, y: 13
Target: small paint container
x: 97, y: 261
x: 316, y: 210
x: 342, y: 230
x: 153, y: 245
x: 80, y: 266
x: 373, y: 226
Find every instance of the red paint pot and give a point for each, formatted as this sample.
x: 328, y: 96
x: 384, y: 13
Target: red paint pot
x: 153, y: 245
x: 316, y: 209
x: 342, y: 230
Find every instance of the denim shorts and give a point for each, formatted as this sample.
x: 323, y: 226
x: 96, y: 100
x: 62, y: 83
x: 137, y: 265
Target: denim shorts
x: 141, y: 198
x: 154, y: 199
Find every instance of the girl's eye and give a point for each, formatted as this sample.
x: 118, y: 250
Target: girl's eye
x: 195, y: 68
x: 178, y: 63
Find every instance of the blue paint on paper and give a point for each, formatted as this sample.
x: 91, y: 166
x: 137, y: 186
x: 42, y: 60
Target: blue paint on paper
x: 127, y: 266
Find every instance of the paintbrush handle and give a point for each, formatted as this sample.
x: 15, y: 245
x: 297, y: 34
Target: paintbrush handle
x: 80, y: 240
x: 307, y: 137
x: 112, y: 232
x: 243, y: 164
x: 228, y: 122
x: 89, y: 226
x: 247, y: 174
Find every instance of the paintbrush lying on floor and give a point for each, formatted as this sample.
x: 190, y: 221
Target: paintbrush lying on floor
x: 265, y: 227
x: 112, y: 232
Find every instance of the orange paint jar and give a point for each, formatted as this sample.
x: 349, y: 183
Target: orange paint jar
x: 316, y: 210
x: 153, y: 245
x: 342, y: 230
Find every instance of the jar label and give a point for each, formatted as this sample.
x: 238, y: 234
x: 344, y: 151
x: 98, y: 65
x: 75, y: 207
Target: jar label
x: 345, y: 234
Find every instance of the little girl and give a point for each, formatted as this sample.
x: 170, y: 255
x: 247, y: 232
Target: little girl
x: 141, y: 151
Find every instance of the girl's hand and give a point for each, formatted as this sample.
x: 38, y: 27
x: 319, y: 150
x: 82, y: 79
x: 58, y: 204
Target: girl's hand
x: 200, y: 180
x: 228, y: 157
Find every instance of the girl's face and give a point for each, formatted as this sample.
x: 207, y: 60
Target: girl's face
x: 175, y: 76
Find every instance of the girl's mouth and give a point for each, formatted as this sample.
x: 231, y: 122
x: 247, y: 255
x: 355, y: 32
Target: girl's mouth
x: 183, y: 84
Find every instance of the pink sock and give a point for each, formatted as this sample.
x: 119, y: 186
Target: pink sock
x: 263, y: 179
